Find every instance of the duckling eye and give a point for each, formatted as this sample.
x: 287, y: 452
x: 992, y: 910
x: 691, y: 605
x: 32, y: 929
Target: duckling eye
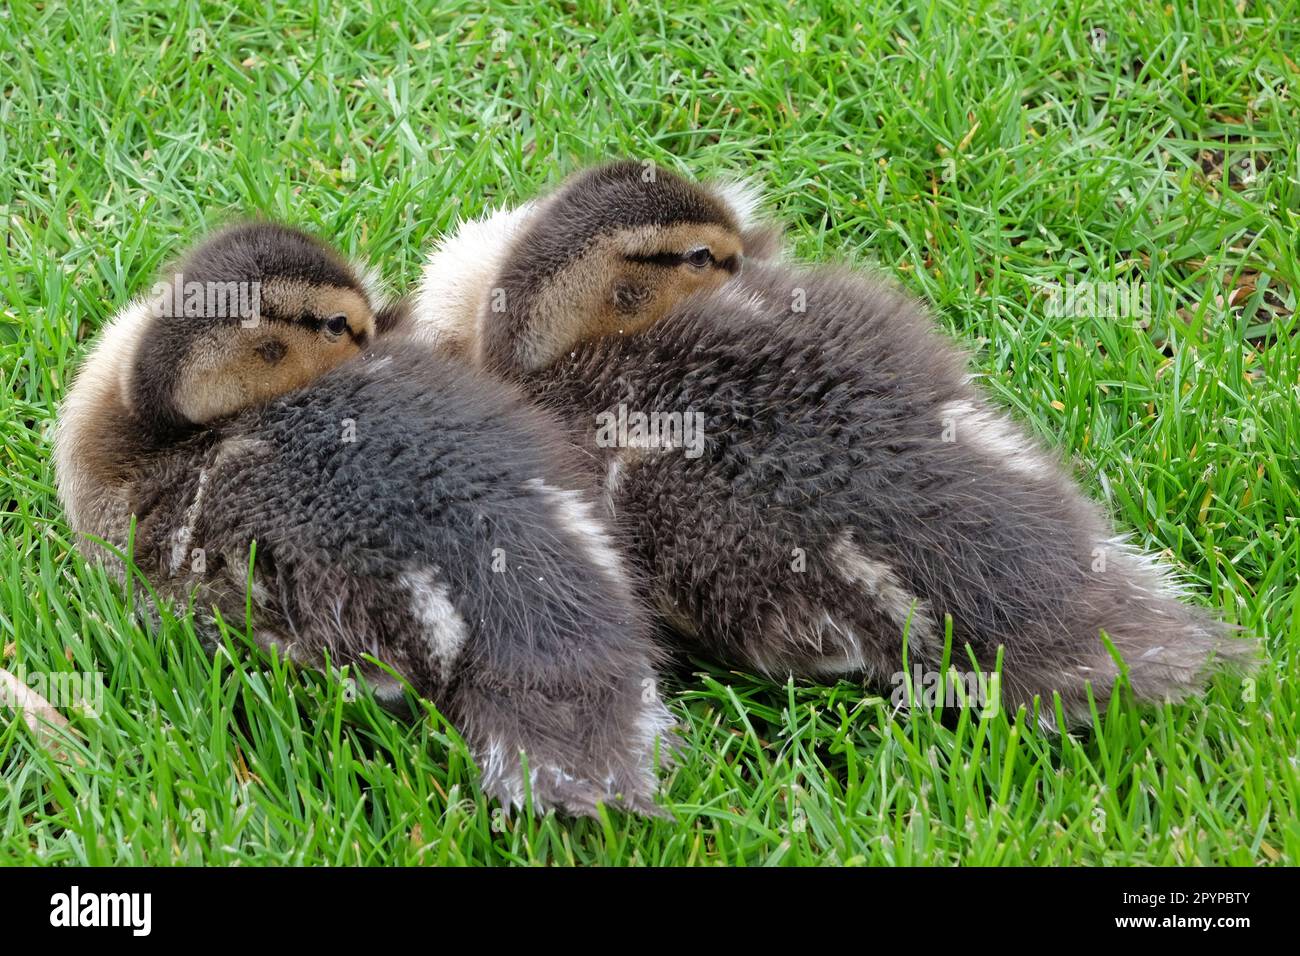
x: 336, y: 324
x: 699, y: 258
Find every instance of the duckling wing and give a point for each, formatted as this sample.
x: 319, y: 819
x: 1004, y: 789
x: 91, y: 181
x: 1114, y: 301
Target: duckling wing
x: 852, y: 487
x: 410, y: 512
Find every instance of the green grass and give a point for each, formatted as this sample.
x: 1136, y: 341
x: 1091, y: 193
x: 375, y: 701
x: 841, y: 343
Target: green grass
x: 974, y: 151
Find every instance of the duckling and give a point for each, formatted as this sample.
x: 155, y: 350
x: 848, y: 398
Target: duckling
x: 846, y: 484
x: 401, y: 513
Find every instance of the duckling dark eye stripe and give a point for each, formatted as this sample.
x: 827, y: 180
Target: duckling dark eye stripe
x: 315, y: 324
x: 658, y: 259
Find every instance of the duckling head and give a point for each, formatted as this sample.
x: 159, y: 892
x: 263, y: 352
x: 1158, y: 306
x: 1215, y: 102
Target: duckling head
x: 256, y: 311
x: 610, y: 252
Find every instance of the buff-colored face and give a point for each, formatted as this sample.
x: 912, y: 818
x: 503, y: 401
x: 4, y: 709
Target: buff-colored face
x: 301, y: 332
x: 656, y: 268
x: 629, y: 280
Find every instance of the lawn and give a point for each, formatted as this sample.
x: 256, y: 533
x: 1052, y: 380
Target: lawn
x: 982, y: 154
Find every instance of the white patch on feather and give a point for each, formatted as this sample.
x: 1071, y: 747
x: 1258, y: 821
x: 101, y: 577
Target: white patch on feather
x: 501, y: 778
x: 882, y: 585
x: 850, y: 661
x: 1161, y: 580
x: 502, y: 775
x: 742, y: 196
x: 830, y: 648
x: 181, y: 536
x: 387, y: 689
x: 444, y: 628
x: 456, y: 284
x: 996, y: 435
x: 735, y: 295
x: 654, y: 727
x: 372, y: 282
x: 575, y: 513
x: 613, y: 481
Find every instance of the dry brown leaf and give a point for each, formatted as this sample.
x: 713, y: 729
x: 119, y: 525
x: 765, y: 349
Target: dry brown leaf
x: 50, y: 728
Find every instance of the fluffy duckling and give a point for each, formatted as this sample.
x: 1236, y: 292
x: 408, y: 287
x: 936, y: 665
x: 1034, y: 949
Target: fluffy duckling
x: 403, y: 508
x: 844, y: 483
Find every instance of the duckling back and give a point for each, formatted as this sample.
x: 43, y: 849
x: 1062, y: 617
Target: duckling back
x: 407, y: 510
x: 851, y: 487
